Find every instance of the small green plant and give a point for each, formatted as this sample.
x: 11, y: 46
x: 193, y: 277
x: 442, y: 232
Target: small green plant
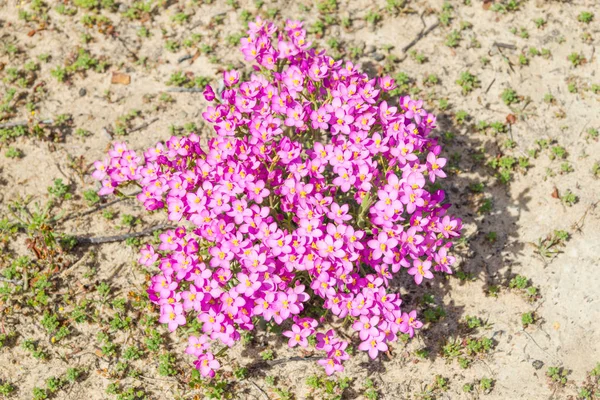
x: 370, y: 391
x: 523, y: 60
x: 453, y: 39
x: 539, y: 22
x: 550, y: 245
x: 485, y: 207
x: 569, y: 198
x: 267, y: 355
x: 372, y: 17
x: 91, y: 197
x: 486, y: 385
x: 576, y: 59
x: 431, y: 80
x: 558, y: 375
x: 596, y: 169
x: 586, y: 17
x: 166, y: 365
x: 441, y: 383
x: 461, y: 117
x: 549, y: 98
x: 473, y: 322
x: 509, y: 96
x: 39, y: 393
x: 527, y: 319
x: 13, y: 152
x: 446, y: 14
x: 73, y: 374
x: 418, y: 57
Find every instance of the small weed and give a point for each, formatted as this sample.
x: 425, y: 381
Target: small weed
x: 576, y: 59
x: 453, y: 39
x: 267, y: 355
x: 586, y: 17
x: 558, y: 375
x: 539, y: 22
x: 569, y: 198
x: 527, y: 319
x: 509, y: 96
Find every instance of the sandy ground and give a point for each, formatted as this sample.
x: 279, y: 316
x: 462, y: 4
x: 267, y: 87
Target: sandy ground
x: 502, y: 242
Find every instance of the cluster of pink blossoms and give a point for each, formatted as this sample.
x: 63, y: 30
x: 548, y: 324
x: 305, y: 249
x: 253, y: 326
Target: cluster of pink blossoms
x: 314, y: 191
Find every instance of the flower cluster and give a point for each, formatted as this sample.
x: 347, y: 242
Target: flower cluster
x: 317, y: 190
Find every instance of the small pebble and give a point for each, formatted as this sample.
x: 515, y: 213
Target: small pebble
x: 82, y: 92
x: 370, y: 49
x: 378, y: 57
x: 537, y: 364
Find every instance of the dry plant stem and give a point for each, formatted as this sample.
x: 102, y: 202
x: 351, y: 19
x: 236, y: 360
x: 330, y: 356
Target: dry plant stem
x: 505, y: 46
x: 23, y: 123
x: 185, y: 90
x: 120, y: 238
x: 97, y: 208
x: 295, y: 358
x: 13, y: 281
x: 259, y: 388
x: 420, y: 36
x: 144, y: 125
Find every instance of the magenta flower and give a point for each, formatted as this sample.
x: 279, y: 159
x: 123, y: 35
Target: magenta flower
x: 449, y: 226
x: 248, y: 285
x: 341, y: 122
x: 434, y: 167
x: 444, y: 260
x: 421, y: 270
x: 387, y: 83
x: 310, y: 180
x: 374, y: 345
x: 366, y: 327
x: 207, y: 364
x: 172, y: 315
x: 331, y: 366
x: 197, y: 345
x: 295, y: 117
x: 319, y: 118
x: 382, y: 245
x: 409, y: 323
x: 231, y: 77
x: 297, y: 336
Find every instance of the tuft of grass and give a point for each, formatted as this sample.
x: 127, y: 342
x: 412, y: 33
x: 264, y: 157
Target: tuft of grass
x: 509, y: 96
x: 586, y: 17
x: 467, y: 81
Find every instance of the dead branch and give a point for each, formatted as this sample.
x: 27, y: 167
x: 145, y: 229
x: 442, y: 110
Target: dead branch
x: 185, y: 90
x: 144, y: 125
x: 24, y: 123
x: 120, y: 238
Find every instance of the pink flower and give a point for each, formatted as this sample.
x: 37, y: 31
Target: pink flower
x: 409, y: 323
x: 366, y: 326
x: 449, y: 226
x: 311, y: 191
x: 374, y: 345
x: 207, y: 364
x: 295, y: 117
x: 387, y: 83
x: 331, y: 366
x: 382, y: 245
x: 421, y: 270
x: 434, y: 166
x: 172, y: 315
x: 297, y: 336
x: 231, y: 77
x: 197, y: 345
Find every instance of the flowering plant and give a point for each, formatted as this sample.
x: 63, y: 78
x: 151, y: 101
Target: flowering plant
x: 310, y: 199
